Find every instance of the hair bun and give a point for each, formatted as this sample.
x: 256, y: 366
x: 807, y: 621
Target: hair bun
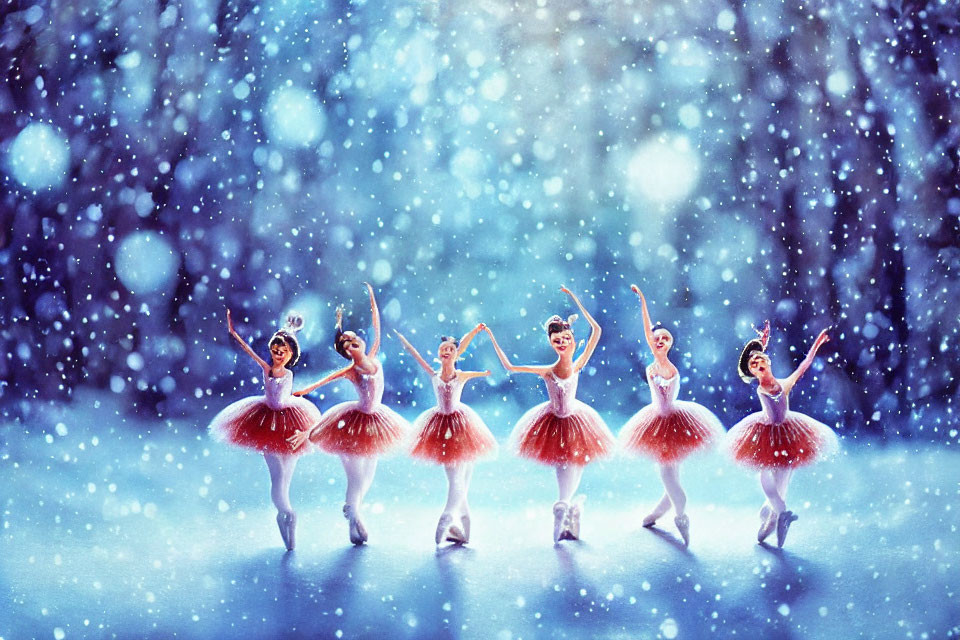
x: 294, y: 322
x: 572, y: 318
x: 554, y: 319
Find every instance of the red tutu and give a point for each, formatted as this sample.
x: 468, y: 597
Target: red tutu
x: 796, y: 441
x: 448, y: 438
x: 251, y: 423
x: 668, y: 436
x: 578, y: 438
x: 348, y: 430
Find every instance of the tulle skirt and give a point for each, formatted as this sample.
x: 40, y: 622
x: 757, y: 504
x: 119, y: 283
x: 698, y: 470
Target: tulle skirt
x: 347, y: 429
x: 797, y: 441
x: 578, y: 438
x: 252, y: 424
x: 670, y: 435
x: 448, y: 438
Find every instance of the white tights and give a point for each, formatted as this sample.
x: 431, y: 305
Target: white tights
x: 360, y: 471
x: 281, y: 468
x: 568, y: 479
x: 673, y: 494
x: 775, y: 483
x: 458, y: 484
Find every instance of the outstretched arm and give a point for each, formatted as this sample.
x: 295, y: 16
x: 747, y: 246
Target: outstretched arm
x: 511, y: 367
x: 594, y: 332
x: 416, y: 354
x: 376, y: 323
x: 253, y: 354
x: 336, y: 375
x: 792, y: 379
x: 647, y: 323
x: 465, y: 340
x: 468, y: 375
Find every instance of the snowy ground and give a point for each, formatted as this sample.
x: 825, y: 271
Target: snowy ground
x: 113, y: 527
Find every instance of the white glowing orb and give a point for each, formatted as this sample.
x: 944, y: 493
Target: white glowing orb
x: 39, y: 156
x: 147, y: 263
x: 294, y: 117
x: 663, y: 171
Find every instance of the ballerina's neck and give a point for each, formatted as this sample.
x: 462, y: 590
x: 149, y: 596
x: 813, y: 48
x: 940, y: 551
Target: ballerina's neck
x: 367, y: 374
x: 774, y: 392
x: 447, y: 377
x: 272, y: 373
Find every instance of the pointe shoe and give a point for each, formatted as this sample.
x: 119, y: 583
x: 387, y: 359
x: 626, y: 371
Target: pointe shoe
x: 287, y: 523
x: 765, y: 512
x: 358, y: 533
x: 443, y: 526
x: 651, y: 519
x: 783, y: 525
x: 560, y: 509
x: 767, y: 527
x: 573, y: 518
x: 456, y: 535
x: 683, y: 526
x: 465, y: 520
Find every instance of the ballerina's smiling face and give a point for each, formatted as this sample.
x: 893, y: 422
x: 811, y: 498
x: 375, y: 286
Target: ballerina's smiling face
x: 447, y: 351
x: 759, y: 365
x: 662, y: 341
x: 280, y: 352
x: 563, y: 342
x: 350, y: 345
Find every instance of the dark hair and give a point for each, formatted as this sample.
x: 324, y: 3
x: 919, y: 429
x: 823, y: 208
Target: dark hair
x: 743, y: 368
x: 659, y: 325
x: 282, y: 337
x: 288, y: 336
x: 342, y: 335
x: 556, y: 324
x: 455, y: 341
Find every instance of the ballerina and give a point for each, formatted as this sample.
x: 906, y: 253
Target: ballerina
x: 263, y: 423
x: 562, y: 432
x: 451, y: 434
x: 358, y: 431
x: 776, y: 440
x: 667, y: 430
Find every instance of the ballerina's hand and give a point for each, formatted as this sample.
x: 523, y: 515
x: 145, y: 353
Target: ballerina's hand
x: 481, y: 327
x: 229, y: 322
x: 824, y: 337
x: 297, y: 439
x: 566, y: 291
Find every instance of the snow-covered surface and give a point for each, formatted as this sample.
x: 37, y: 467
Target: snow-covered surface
x: 119, y: 527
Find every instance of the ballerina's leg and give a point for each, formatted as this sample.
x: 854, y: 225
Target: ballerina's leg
x: 568, y: 480
x: 456, y: 490
x: 281, y: 473
x: 355, y: 468
x: 782, y: 478
x: 670, y: 475
x: 369, y: 470
x: 768, y: 482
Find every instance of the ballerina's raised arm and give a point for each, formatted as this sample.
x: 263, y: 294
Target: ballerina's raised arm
x: 375, y: 312
x: 243, y: 345
x: 416, y: 354
x: 595, y: 332
x: 513, y: 368
x: 791, y: 380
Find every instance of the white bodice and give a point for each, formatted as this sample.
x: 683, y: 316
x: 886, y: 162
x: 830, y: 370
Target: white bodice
x: 775, y: 407
x: 277, y: 390
x: 663, y: 391
x: 448, y: 393
x: 562, y: 393
x: 370, y: 389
